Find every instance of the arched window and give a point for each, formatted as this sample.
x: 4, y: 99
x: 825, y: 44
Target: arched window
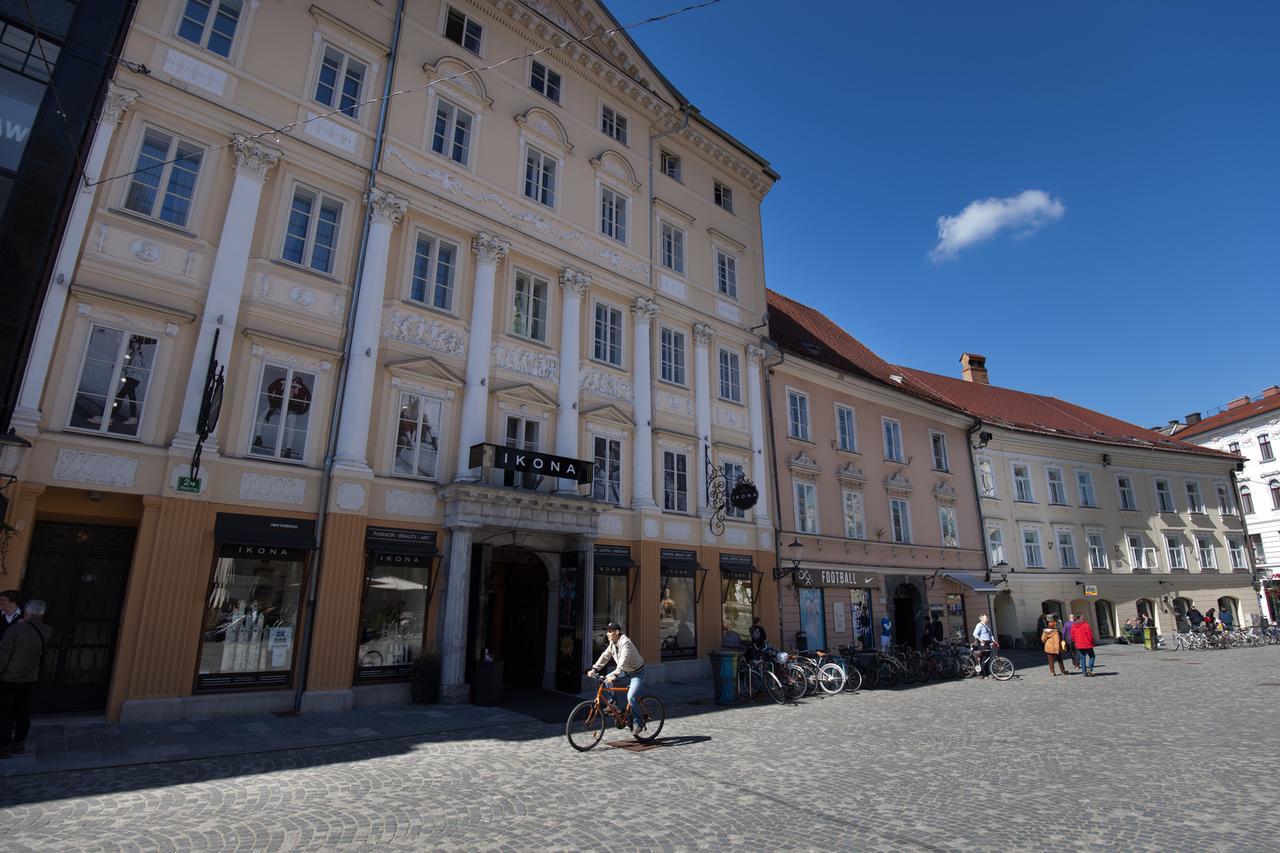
x: 1106, y: 618
x: 1246, y: 500
x: 1054, y: 607
x: 1229, y: 610
x: 1274, y: 486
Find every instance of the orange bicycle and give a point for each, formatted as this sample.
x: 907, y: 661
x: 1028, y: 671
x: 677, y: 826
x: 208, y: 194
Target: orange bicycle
x: 586, y: 723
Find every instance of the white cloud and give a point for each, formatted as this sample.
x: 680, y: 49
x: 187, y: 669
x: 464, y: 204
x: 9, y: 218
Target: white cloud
x: 982, y: 220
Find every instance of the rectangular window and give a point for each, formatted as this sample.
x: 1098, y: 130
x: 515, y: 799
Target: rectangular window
x: 1234, y: 447
x: 675, y: 481
x: 1246, y: 500
x: 797, y: 415
x: 1259, y: 551
x: 1226, y: 505
x: 1177, y: 555
x: 522, y: 434
x: 846, y: 429
x: 114, y: 379
x: 393, y: 614
x: 1066, y: 549
x: 938, y: 447
x: 900, y: 520
x: 609, y: 603
x: 311, y: 235
x: 672, y: 248
x: 613, y: 124
x: 678, y: 612
x: 1164, y: 496
x: 950, y: 530
x: 892, y: 440
x: 806, y: 508
x: 1097, y: 551
x: 1142, y: 556
x: 730, y: 376
x: 540, y: 177
x: 727, y: 274
x: 544, y: 81
x: 733, y: 472
x: 418, y: 436
x: 995, y: 545
x: 1127, y: 498
x: 1204, y: 548
x: 165, y: 180
x: 1031, y: 551
x: 340, y: 82
x: 855, y: 523
x: 613, y: 214
x: 723, y: 196
x: 460, y: 29
x: 1057, y: 486
x: 986, y: 478
x: 1236, y: 548
x: 607, y: 344
x: 737, y: 598
x: 1264, y: 447
x: 671, y: 356
x: 671, y: 165
x: 606, y: 477
x: 529, y: 307
x: 451, y: 135
x: 211, y: 24
x: 1195, y: 502
x: 282, y: 415
x: 434, y: 262
x: 1022, y: 484
x: 1084, y: 481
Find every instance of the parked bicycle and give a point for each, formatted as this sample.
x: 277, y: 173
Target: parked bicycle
x: 999, y: 668
x: 586, y: 723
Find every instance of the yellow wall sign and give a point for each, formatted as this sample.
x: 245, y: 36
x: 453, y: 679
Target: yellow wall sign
x: 1090, y: 589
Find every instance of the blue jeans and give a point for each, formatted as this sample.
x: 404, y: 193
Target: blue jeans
x: 1087, y: 660
x: 634, y: 682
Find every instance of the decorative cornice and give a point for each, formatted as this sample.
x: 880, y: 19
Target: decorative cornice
x: 895, y: 482
x: 539, y: 365
x: 644, y: 309
x: 946, y: 492
x: 103, y: 469
x: 425, y: 332
x: 253, y: 159
x: 117, y: 102
x: 851, y: 475
x: 384, y: 207
x: 489, y: 248
x: 574, y: 283
x: 606, y: 384
x: 803, y: 463
x: 702, y: 334
x: 756, y: 354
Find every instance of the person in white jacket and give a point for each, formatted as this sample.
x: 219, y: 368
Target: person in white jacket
x: 627, y: 663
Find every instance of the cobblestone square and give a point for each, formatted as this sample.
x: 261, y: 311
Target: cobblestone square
x: 1162, y: 751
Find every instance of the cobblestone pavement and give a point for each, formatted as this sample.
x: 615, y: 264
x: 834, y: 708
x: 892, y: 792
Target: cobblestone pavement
x: 1163, y: 751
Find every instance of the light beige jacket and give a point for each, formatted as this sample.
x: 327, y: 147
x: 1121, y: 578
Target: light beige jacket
x: 624, y: 655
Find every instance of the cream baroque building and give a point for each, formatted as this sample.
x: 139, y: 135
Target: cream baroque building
x: 1086, y: 514
x: 557, y: 254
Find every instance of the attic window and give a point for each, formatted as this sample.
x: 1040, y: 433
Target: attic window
x: 896, y: 378
x: 811, y: 348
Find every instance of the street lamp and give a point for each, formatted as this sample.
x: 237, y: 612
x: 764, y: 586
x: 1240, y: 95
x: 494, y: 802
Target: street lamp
x: 12, y: 448
x: 796, y: 550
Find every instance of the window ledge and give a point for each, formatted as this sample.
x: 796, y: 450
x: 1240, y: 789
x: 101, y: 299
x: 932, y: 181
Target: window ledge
x: 157, y: 223
x: 670, y: 384
x: 1052, y: 503
x: 290, y: 265
x: 595, y: 360
x: 132, y: 439
x: 799, y: 440
x: 443, y: 312
x: 530, y: 341
x: 731, y: 402
x: 849, y: 452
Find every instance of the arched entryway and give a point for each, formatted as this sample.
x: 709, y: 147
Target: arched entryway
x: 907, y: 607
x: 1147, y: 609
x: 1105, y: 617
x: 1229, y: 611
x: 1055, y: 608
x: 1006, y: 616
x: 1182, y: 606
x: 516, y: 627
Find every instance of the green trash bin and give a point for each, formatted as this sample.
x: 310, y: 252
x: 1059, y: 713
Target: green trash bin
x: 1149, y: 638
x: 724, y: 676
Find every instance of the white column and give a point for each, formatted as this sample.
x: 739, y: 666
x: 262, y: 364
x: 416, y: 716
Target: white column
x: 226, y: 282
x: 702, y: 408
x: 643, y: 311
x: 453, y: 641
x: 385, y: 211
x: 26, y: 415
x: 489, y: 251
x: 755, y: 409
x: 574, y: 284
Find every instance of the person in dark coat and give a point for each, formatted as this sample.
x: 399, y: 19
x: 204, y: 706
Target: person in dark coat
x: 10, y: 613
x: 21, y: 652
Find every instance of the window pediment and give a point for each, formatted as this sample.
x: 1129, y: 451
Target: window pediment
x: 524, y: 394
x: 851, y: 475
x: 542, y: 128
x: 803, y: 463
x: 608, y: 414
x: 425, y: 367
x: 611, y: 164
x: 895, y: 482
x: 457, y: 80
x: 946, y: 492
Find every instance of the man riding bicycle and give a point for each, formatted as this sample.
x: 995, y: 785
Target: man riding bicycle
x: 627, y: 663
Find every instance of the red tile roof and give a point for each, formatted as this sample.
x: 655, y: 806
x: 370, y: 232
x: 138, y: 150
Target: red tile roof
x: 1257, y: 407
x: 806, y: 332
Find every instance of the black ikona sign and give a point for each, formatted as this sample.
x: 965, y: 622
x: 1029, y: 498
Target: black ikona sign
x: 542, y: 464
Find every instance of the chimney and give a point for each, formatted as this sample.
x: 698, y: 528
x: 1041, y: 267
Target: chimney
x: 973, y: 368
x: 1271, y: 392
x: 1193, y: 419
x: 1238, y: 402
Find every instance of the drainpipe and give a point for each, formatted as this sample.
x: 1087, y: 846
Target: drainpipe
x: 1264, y: 608
x: 313, y: 583
x: 982, y: 525
x: 777, y: 492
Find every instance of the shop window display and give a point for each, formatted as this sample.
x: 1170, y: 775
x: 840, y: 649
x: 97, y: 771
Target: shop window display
x: 737, y: 597
x: 678, y: 615
x: 393, y: 615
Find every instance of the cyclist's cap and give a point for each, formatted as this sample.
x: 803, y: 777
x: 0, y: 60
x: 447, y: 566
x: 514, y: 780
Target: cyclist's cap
x: 613, y: 626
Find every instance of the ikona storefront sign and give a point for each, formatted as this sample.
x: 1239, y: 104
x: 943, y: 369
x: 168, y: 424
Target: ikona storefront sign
x: 526, y: 461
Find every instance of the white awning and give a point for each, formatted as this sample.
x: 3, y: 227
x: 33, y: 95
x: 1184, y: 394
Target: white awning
x: 971, y: 580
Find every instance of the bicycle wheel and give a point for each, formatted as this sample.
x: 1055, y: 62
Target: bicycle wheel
x: 852, y: 679
x: 585, y: 726
x: 831, y: 678
x: 795, y: 682
x: 887, y: 674
x: 748, y: 683
x: 870, y: 676
x: 652, y: 716
x: 1001, y: 669
x: 774, y: 687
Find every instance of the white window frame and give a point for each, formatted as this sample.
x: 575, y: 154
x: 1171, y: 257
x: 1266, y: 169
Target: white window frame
x: 1085, y: 489
x: 798, y: 415
x: 671, y: 499
x: 806, y: 497
x: 612, y: 330
x: 1176, y: 553
x: 995, y: 545
x: 608, y: 483
x: 1206, y: 557
x: 987, y: 486
x: 722, y: 195
x: 853, y: 507
x: 467, y: 20
x: 1235, y: 548
x: 620, y: 122
x: 290, y: 371
x: 733, y: 470
x: 947, y: 517
x: 1226, y: 500
x: 339, y: 88
x: 1122, y: 491
x: 319, y: 198
x: 539, y: 186
x: 117, y: 370
x: 938, y: 441
x: 673, y: 370
x: 1164, y: 496
x: 431, y: 282
x: 1195, y: 497
x: 532, y: 319
x: 675, y: 161
x: 450, y: 133
x: 215, y: 6
x: 846, y: 428
x: 548, y: 85
x: 673, y: 244
x: 423, y: 401
x: 1096, y: 542
x: 891, y: 439
x: 900, y: 520
x: 729, y: 363
x: 614, y: 213
x: 1023, y: 487
x: 1029, y: 544
x: 1057, y: 496
x: 155, y: 210
x: 726, y: 273
x: 1139, y: 553
x: 1065, y: 540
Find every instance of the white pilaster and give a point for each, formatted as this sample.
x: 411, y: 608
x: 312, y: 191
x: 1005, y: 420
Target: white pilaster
x: 453, y: 641
x: 489, y: 251
x: 755, y: 409
x: 574, y: 284
x: 643, y: 311
x: 226, y: 282
x: 702, y: 408
x: 385, y: 211
x: 26, y: 415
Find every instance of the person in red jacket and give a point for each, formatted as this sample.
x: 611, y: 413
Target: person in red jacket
x: 1082, y: 637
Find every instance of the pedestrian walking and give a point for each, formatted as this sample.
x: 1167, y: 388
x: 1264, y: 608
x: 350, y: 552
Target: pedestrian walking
x: 21, y: 651
x: 1068, y: 641
x: 1051, y: 639
x: 1041, y: 624
x: 1082, y: 634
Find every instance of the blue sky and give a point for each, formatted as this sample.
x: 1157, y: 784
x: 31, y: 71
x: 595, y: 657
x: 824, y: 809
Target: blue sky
x: 1140, y: 281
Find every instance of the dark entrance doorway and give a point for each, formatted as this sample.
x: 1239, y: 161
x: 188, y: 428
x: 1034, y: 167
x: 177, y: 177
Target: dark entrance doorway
x: 906, y: 607
x: 79, y: 571
x: 516, y: 627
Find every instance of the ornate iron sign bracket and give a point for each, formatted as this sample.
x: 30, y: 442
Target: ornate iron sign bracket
x: 721, y: 494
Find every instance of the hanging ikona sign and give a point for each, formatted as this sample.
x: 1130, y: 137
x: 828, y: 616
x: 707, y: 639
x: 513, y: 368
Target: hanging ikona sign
x: 527, y: 461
